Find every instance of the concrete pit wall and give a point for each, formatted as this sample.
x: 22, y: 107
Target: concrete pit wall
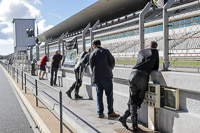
x: 185, y: 120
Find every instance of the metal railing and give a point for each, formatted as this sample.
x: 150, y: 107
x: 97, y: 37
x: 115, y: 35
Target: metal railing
x: 16, y: 73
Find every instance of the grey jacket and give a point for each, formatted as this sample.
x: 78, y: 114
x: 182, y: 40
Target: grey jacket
x: 101, y: 62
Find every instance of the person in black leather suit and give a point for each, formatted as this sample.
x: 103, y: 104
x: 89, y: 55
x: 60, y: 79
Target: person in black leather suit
x: 148, y: 60
x: 78, y: 70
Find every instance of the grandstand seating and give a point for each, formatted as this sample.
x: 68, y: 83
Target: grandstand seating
x: 123, y: 40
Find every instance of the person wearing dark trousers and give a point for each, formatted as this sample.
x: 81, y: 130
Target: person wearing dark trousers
x: 78, y: 70
x: 33, y: 63
x: 102, y: 62
x: 148, y: 60
x: 54, y: 67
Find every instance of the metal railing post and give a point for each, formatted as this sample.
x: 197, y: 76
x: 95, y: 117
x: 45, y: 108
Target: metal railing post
x: 141, y: 24
x: 48, y: 49
x: 45, y: 49
x: 36, y: 92
x: 10, y: 70
x: 91, y: 32
x: 22, y: 81
x: 61, y: 115
x: 25, y: 81
x: 59, y: 42
x: 63, y: 44
x: 83, y: 36
x: 17, y: 75
x: 166, y: 35
x: 37, y: 51
x: 31, y: 54
x: 14, y: 73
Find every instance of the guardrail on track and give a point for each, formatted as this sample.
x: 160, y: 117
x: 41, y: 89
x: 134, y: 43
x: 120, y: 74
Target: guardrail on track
x: 17, y: 73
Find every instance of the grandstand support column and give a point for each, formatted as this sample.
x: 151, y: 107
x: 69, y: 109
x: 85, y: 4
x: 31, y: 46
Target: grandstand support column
x: 91, y: 32
x: 166, y: 35
x: 59, y: 42
x: 63, y: 46
x: 141, y: 23
x: 83, y: 36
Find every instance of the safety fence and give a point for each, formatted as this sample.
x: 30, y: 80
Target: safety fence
x: 122, y: 35
x: 184, y: 35
x: 121, y: 39
x: 25, y: 79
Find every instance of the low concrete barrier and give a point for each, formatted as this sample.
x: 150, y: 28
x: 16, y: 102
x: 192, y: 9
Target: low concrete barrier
x: 185, y: 120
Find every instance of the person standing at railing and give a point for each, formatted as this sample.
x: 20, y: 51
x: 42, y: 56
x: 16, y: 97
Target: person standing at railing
x: 102, y: 62
x: 54, y: 67
x: 78, y: 70
x: 10, y: 61
x: 148, y: 60
x: 33, y: 63
x: 42, y: 67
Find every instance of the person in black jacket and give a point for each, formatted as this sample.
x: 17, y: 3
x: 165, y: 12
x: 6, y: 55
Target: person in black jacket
x: 33, y: 69
x: 54, y: 67
x: 102, y: 62
x: 78, y: 70
x: 148, y: 60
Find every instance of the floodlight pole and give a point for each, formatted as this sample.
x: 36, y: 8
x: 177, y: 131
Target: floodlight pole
x: 91, y: 33
x: 83, y: 36
x: 166, y: 35
x: 141, y: 23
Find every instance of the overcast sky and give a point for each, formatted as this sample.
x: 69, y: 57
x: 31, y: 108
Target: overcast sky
x: 48, y: 12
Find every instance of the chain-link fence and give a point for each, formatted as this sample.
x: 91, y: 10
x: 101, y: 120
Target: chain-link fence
x: 184, y: 37
x: 121, y: 36
x: 121, y: 39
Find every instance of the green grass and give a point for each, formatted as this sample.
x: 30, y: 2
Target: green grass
x: 125, y: 61
x: 192, y: 63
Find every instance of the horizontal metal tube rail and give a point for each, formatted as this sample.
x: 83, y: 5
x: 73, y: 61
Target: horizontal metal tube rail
x: 184, y: 6
x: 30, y: 82
x: 10, y: 69
x: 47, y: 107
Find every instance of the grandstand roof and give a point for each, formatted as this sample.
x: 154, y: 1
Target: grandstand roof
x: 103, y: 10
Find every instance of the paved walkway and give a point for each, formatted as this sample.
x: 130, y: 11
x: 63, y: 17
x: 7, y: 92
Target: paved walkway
x: 81, y: 114
x: 12, y: 116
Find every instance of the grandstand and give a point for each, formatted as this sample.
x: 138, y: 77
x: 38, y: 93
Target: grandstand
x: 121, y: 34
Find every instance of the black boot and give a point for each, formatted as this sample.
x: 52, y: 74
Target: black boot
x: 135, y: 123
x: 122, y: 119
x: 69, y: 94
x: 77, y: 96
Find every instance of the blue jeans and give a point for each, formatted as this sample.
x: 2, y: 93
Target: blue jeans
x: 106, y: 85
